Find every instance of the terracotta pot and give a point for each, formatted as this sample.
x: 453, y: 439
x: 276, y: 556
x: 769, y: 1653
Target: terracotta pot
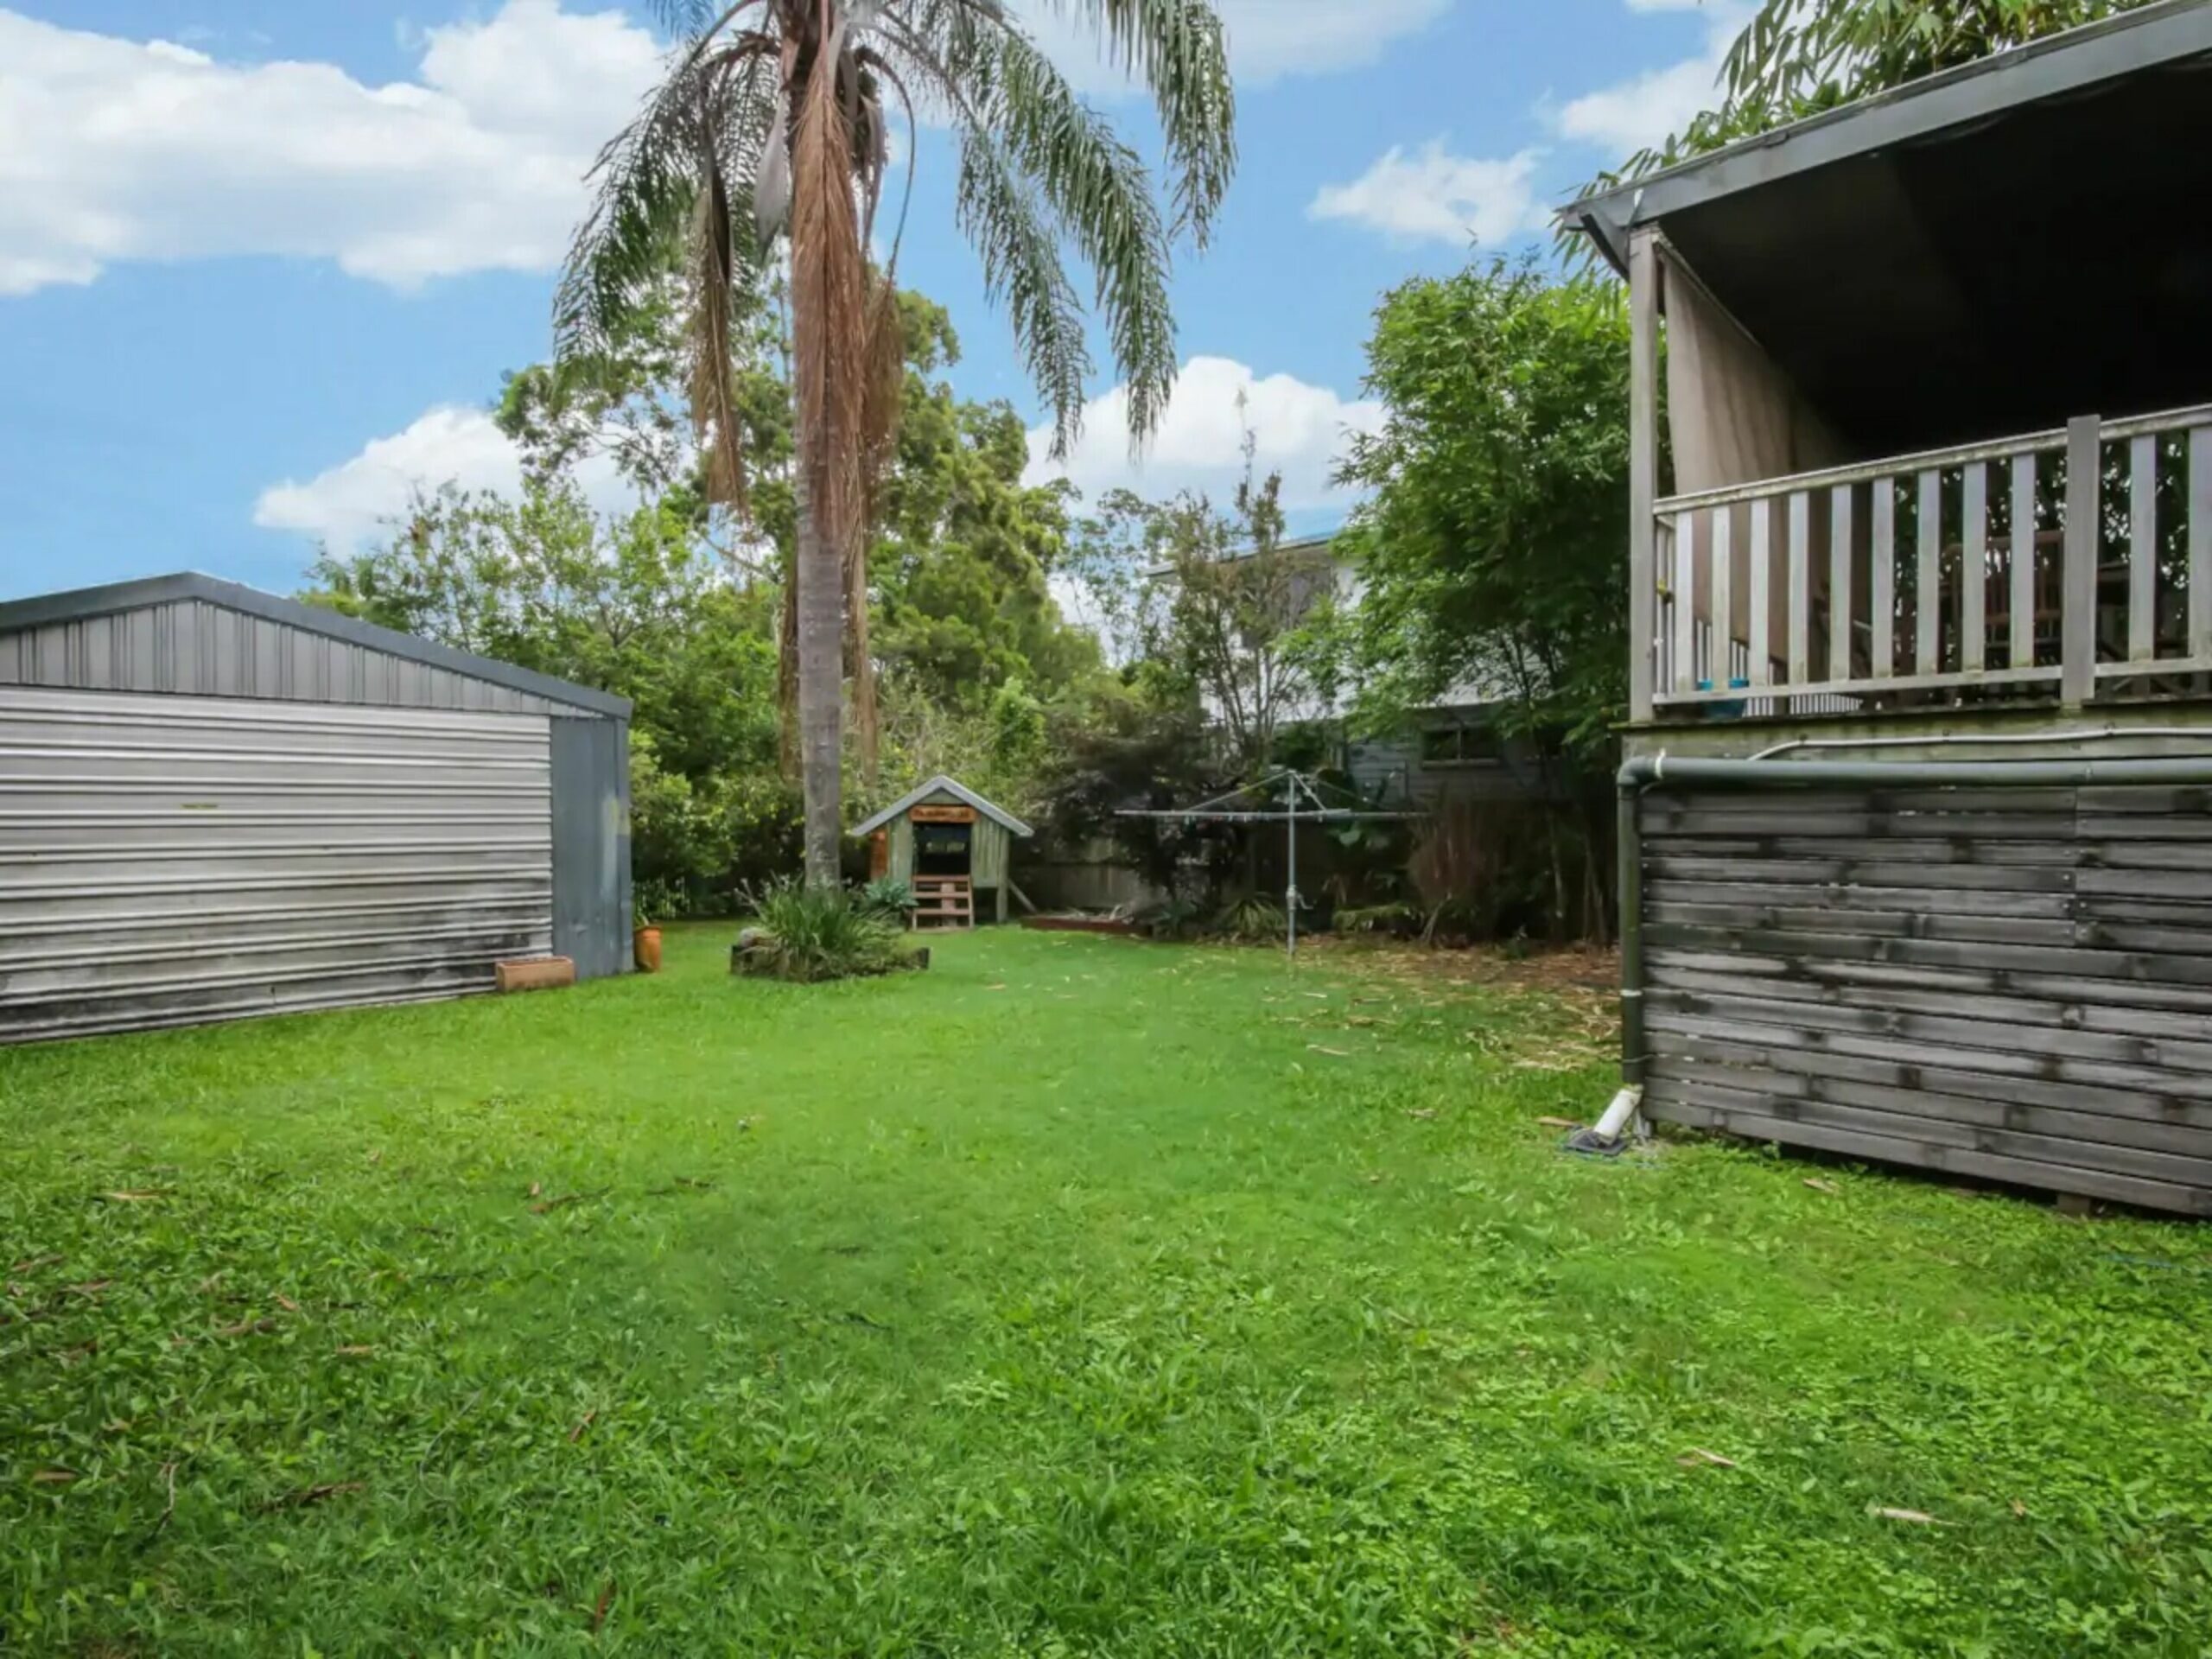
x: 646, y: 942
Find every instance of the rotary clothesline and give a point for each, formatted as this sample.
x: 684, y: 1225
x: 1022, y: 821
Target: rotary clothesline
x: 1297, y: 787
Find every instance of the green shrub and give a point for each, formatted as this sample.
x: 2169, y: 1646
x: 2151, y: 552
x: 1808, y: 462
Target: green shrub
x: 887, y: 899
x: 1400, y: 920
x: 1252, y: 920
x: 1168, y: 919
x: 807, y: 935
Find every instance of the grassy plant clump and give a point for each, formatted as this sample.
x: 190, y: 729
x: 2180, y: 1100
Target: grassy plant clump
x: 807, y: 934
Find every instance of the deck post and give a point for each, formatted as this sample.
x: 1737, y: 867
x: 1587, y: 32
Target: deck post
x: 1642, y: 470
x: 2078, y: 625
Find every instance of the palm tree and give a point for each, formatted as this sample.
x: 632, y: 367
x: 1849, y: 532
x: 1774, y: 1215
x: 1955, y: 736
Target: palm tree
x: 773, y: 126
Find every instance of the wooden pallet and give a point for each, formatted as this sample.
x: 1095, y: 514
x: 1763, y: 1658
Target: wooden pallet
x: 944, y: 901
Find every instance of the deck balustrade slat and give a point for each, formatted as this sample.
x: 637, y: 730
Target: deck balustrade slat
x: 1685, y: 601
x: 2022, y: 562
x: 1928, y: 585
x: 1723, y: 572
x: 1973, y: 572
x: 2200, y: 542
x: 1840, y: 582
x: 1882, y: 605
x: 1799, y: 578
x: 2142, y: 549
x: 1760, y: 576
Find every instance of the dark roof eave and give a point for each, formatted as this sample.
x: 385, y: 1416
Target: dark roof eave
x: 83, y: 603
x: 2151, y: 37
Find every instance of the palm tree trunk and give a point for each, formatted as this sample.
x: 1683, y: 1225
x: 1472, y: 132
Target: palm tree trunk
x: 821, y: 688
x: 828, y: 339
x: 818, y: 572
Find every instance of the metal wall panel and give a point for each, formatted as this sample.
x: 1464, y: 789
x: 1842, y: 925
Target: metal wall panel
x: 200, y: 649
x: 169, y: 860
x: 591, y: 845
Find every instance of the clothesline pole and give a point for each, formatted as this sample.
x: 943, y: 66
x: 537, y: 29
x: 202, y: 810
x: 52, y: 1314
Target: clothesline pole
x: 1215, y: 811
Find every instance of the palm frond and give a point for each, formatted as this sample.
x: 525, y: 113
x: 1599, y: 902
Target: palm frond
x: 713, y: 392
x: 1099, y: 193
x: 645, y: 178
x: 693, y: 19
x: 645, y: 181
x: 1176, y: 48
x: 998, y: 212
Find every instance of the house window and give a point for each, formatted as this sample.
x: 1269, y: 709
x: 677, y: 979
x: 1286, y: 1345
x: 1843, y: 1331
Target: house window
x: 1469, y: 743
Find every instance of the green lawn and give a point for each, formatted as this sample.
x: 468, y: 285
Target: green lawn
x: 1072, y: 1298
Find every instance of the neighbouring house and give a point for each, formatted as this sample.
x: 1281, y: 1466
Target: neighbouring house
x: 946, y: 843
x: 215, y: 802
x: 1917, y: 857
x: 1454, y: 750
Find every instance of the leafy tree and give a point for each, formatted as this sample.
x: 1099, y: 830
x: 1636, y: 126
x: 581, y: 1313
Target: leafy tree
x: 774, y: 122
x: 633, y: 604
x: 964, y: 549
x: 1490, y: 550
x: 1212, y: 607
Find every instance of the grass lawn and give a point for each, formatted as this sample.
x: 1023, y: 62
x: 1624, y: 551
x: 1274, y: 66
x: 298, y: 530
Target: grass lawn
x: 1076, y: 1297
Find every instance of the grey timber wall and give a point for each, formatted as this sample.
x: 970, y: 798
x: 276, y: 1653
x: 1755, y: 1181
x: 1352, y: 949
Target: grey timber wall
x: 170, y: 861
x: 2012, y: 983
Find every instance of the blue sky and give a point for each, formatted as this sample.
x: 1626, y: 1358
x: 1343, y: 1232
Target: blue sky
x: 262, y: 263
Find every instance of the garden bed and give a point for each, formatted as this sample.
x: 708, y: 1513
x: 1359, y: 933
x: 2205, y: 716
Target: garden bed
x: 1112, y: 926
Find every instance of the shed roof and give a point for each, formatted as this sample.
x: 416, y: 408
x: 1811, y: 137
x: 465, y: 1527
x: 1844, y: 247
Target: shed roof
x: 942, y: 784
x: 149, y: 593
x: 2007, y: 237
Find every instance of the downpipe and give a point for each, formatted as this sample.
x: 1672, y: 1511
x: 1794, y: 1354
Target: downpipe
x: 1623, y: 1117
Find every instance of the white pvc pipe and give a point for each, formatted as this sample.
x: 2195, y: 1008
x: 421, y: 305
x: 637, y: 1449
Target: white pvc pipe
x: 1619, y: 1115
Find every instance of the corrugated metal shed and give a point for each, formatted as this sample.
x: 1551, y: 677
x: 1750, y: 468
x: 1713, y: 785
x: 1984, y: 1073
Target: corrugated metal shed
x: 215, y: 802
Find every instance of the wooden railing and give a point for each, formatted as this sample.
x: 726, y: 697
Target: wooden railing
x: 2054, y: 563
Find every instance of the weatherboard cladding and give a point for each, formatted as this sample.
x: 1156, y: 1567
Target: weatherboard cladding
x: 2015, y: 984
x: 176, y: 860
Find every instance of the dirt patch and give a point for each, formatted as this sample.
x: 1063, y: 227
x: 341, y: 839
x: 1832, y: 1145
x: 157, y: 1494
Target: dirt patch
x: 1577, y: 971
x: 1546, y: 1010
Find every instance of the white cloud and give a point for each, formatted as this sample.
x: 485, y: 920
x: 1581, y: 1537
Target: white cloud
x: 1299, y: 430
x: 1437, y: 196
x: 115, y: 150
x: 1269, y: 39
x: 1646, y: 109
x: 357, y: 499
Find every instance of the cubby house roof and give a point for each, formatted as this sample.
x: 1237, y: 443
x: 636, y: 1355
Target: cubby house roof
x: 941, y: 785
